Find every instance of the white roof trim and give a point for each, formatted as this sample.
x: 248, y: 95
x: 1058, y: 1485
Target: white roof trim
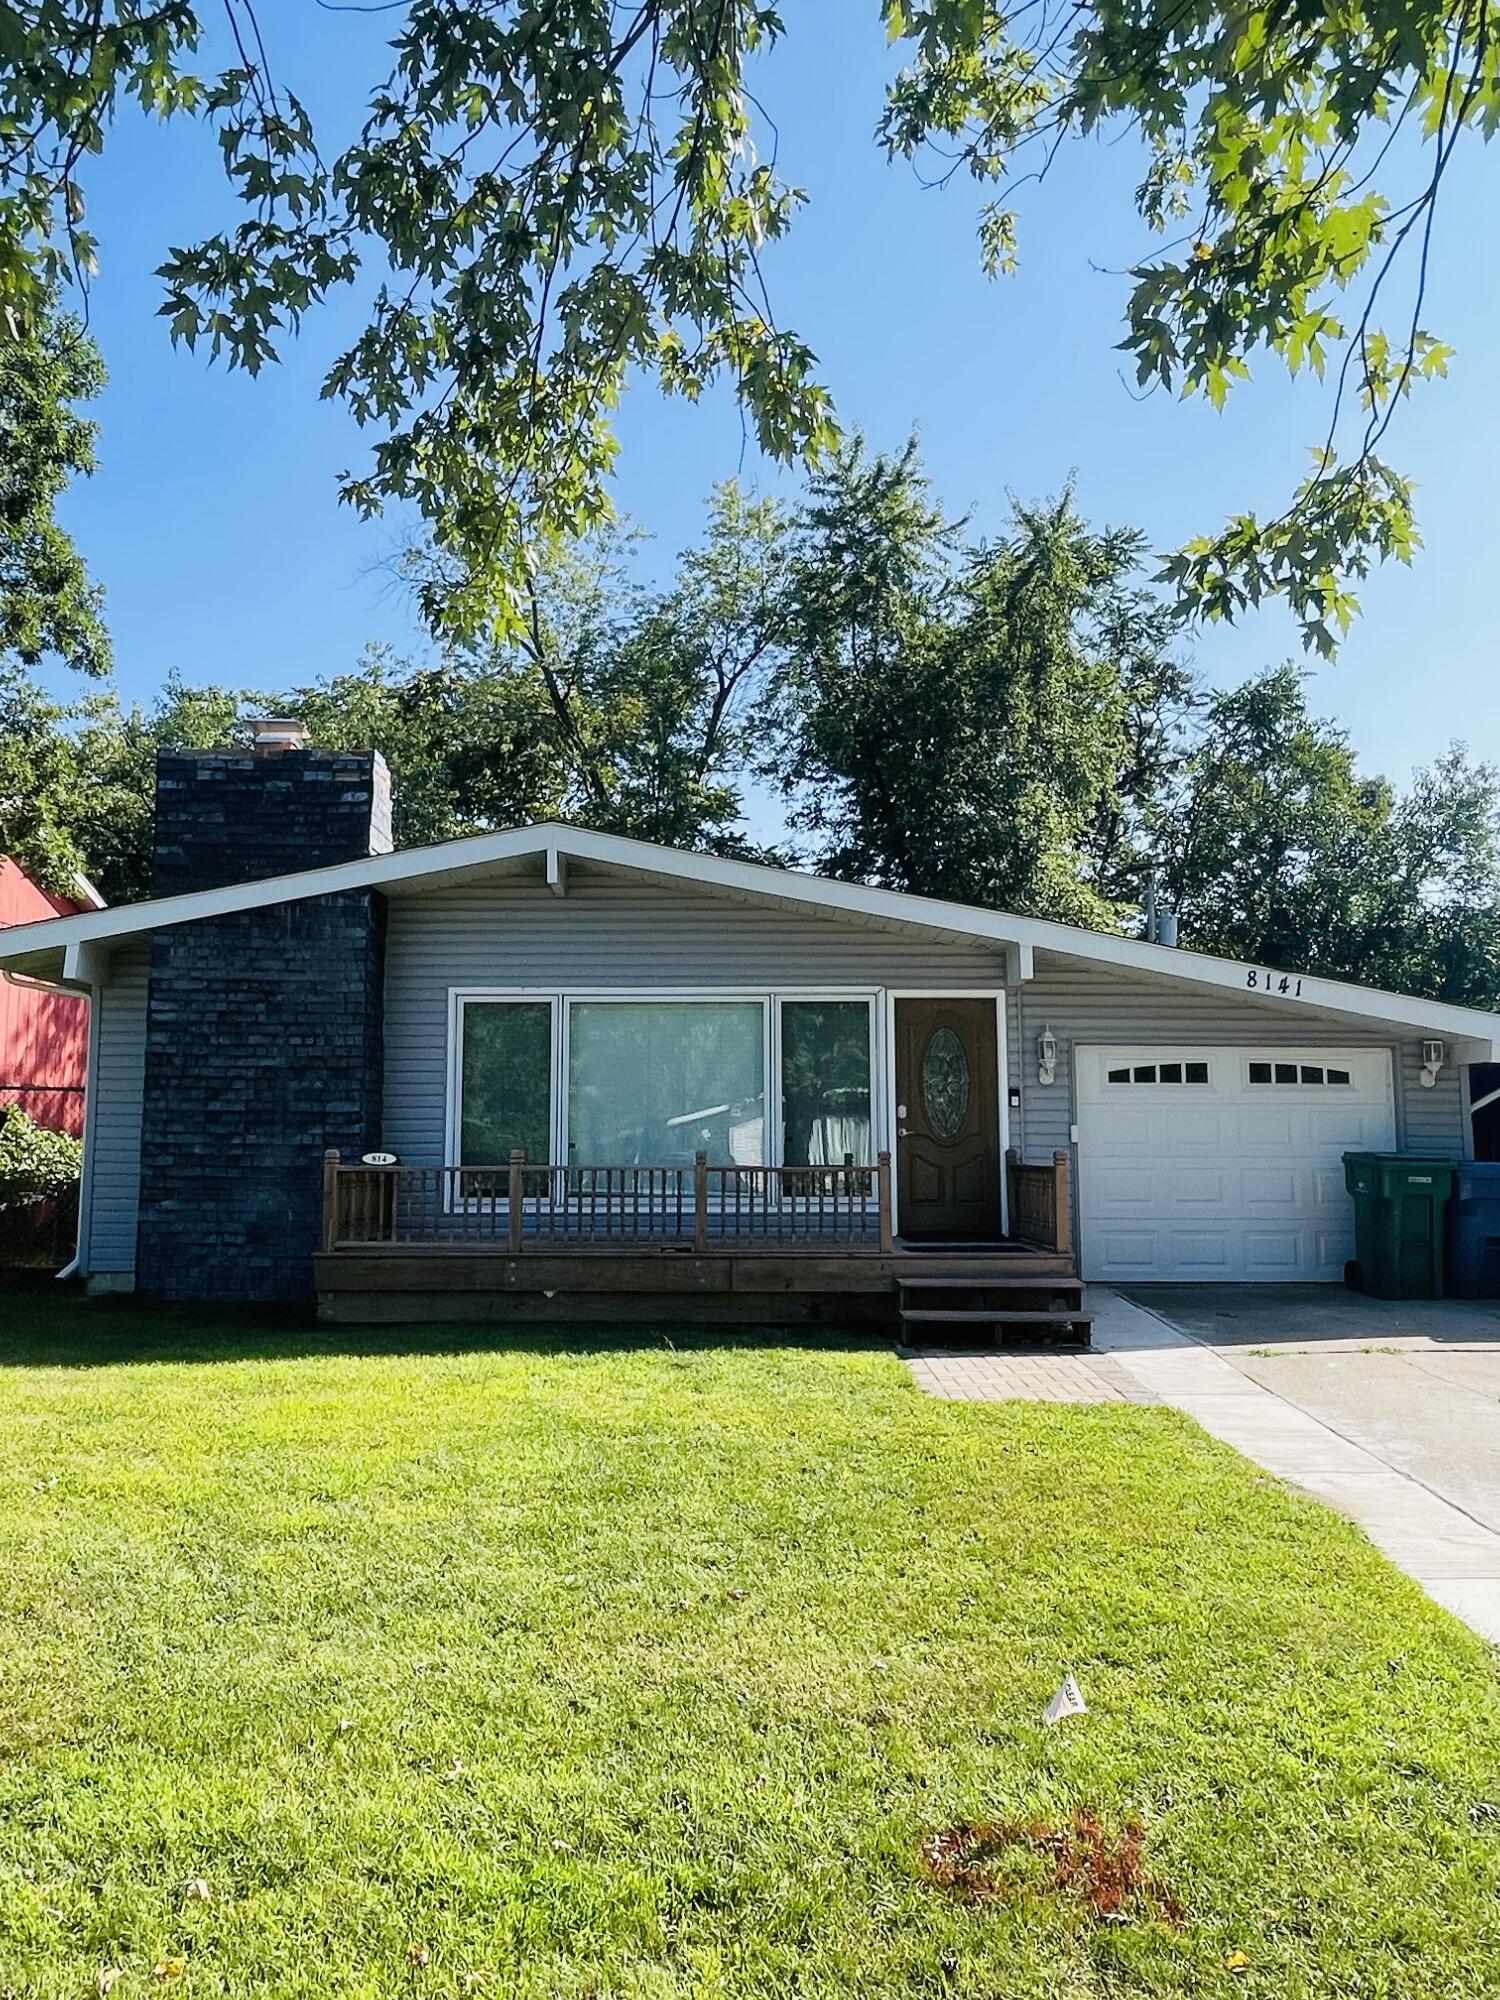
x: 552, y: 843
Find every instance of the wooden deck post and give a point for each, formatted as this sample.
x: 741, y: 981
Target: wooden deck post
x: 516, y: 1200
x: 883, y: 1196
x: 700, y: 1202
x: 330, y: 1197
x: 1062, y: 1204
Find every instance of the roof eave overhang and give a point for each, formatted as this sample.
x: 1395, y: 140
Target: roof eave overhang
x: 43, y: 949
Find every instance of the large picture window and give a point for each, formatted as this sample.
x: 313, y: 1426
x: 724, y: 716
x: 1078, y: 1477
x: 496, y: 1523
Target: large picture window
x: 590, y: 1081
x: 653, y: 1082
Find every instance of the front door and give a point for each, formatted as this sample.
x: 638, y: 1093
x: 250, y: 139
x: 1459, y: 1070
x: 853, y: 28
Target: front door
x: 947, y: 1119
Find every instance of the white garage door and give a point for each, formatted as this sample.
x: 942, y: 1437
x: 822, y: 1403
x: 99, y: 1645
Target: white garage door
x: 1224, y: 1163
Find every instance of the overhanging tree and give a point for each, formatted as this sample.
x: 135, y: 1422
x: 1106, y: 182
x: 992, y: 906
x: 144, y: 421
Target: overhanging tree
x: 553, y: 195
x: 467, y: 751
x: 679, y: 703
x: 655, y: 696
x: 49, y: 608
x: 1003, y: 722
x: 41, y: 784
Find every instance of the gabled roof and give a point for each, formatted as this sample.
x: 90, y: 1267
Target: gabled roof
x: 73, y: 949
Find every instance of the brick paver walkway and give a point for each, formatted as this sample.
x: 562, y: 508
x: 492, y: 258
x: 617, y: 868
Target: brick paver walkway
x: 1038, y: 1375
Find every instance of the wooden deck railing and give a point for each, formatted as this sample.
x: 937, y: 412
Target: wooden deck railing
x: 1040, y: 1202
x: 521, y: 1206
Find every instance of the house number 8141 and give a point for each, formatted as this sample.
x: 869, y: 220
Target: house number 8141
x: 1274, y: 982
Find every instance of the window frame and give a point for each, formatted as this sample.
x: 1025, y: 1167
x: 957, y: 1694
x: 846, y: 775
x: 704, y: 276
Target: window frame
x: 728, y: 997
x: 561, y: 1001
x: 459, y: 999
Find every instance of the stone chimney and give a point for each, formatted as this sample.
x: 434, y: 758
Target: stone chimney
x: 227, y: 816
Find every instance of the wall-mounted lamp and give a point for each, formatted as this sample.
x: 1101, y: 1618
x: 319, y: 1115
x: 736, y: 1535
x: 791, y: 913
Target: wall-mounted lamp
x: 1434, y: 1055
x: 1046, y: 1057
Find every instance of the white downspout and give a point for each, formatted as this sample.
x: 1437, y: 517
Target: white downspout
x: 75, y: 1264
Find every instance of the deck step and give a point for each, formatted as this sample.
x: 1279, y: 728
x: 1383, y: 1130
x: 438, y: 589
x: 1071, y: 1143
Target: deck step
x: 1077, y: 1329
x: 1020, y: 1315
x: 977, y: 1283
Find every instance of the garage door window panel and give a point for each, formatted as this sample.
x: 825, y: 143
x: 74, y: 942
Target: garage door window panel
x: 1301, y: 1076
x: 1183, y: 1072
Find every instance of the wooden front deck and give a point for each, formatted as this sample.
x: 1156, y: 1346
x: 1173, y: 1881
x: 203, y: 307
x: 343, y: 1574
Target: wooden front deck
x: 725, y: 1245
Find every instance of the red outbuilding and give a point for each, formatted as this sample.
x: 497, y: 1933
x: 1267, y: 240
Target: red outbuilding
x: 44, y: 1037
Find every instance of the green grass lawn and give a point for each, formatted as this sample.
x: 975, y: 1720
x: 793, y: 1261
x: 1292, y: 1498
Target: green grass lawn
x: 562, y: 1668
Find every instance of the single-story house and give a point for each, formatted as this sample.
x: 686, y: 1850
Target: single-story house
x: 554, y: 1068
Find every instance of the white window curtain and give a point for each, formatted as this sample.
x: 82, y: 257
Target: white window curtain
x: 825, y: 1083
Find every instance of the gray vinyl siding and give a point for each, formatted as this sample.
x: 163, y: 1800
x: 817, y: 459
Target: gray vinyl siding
x: 607, y: 936
x: 115, y: 1111
x: 1088, y: 1003
x: 1432, y: 1121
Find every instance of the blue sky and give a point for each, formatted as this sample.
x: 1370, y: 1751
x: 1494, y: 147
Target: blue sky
x: 214, y: 522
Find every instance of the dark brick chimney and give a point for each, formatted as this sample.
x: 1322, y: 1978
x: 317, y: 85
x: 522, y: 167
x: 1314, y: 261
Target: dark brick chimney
x: 238, y: 815
x: 264, y: 1028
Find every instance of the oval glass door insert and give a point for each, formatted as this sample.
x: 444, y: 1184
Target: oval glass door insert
x: 945, y: 1083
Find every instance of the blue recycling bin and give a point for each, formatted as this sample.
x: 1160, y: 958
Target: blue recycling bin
x: 1474, y: 1231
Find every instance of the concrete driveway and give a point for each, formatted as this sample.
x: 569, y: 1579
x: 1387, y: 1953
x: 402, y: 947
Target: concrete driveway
x: 1415, y: 1382
x: 1320, y: 1318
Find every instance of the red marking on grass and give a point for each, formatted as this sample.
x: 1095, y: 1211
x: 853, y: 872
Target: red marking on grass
x: 1087, y: 1862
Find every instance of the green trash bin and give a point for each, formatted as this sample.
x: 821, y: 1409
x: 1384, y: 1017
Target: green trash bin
x: 1399, y: 1206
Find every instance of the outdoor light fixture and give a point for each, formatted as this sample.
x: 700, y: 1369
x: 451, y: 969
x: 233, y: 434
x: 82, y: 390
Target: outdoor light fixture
x: 1046, y: 1057
x: 1434, y: 1055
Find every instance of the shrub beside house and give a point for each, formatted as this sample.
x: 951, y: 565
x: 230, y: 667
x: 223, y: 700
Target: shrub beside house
x: 39, y: 1176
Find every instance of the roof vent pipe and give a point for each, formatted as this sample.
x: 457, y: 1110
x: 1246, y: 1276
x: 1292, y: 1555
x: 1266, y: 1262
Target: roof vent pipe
x: 1161, y: 924
x: 269, y: 732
